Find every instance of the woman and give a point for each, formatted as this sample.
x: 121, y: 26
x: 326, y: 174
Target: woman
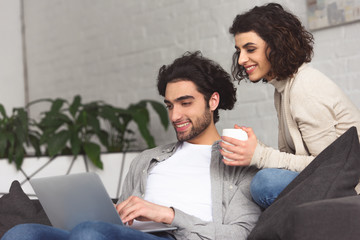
x: 273, y: 46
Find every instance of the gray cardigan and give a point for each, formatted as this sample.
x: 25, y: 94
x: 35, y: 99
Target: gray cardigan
x: 234, y: 212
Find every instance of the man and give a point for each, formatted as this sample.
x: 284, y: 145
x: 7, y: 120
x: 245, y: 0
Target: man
x: 186, y: 184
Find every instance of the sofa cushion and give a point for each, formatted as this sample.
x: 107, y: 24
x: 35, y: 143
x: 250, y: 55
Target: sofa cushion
x: 17, y: 208
x: 330, y: 219
x: 333, y: 173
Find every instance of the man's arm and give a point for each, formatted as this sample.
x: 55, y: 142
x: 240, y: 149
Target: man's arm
x: 141, y: 210
x: 190, y: 227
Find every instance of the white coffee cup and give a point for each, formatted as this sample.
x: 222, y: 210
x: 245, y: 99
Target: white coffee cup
x: 234, y: 133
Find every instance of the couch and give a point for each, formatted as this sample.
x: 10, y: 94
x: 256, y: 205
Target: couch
x: 320, y: 204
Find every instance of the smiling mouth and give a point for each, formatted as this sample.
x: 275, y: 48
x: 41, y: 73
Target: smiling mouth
x: 250, y: 69
x: 181, y: 126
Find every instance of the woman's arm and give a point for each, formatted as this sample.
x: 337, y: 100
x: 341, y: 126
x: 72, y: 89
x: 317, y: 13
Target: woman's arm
x: 254, y: 153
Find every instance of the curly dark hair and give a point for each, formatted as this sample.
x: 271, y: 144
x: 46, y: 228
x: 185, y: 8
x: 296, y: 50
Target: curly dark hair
x: 290, y: 43
x: 207, y: 75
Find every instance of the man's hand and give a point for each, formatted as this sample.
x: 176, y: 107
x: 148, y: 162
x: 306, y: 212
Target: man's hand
x: 141, y: 210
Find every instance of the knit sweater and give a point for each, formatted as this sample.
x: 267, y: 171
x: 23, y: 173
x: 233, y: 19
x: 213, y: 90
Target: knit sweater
x: 316, y: 112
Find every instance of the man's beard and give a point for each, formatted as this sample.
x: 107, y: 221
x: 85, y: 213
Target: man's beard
x: 197, y: 128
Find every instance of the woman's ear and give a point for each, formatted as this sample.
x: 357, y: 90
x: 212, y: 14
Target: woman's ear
x: 214, y: 101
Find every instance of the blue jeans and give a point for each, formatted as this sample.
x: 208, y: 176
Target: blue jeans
x: 268, y: 183
x: 87, y: 230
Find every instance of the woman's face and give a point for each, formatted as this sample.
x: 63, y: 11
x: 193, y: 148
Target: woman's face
x: 252, y: 55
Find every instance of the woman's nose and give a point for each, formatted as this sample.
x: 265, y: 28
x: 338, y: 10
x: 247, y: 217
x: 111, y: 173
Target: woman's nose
x: 243, y: 58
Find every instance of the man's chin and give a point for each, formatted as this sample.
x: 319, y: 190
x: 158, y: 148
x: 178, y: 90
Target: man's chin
x: 181, y: 137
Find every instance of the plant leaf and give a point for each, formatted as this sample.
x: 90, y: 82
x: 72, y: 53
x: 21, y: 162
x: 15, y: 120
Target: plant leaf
x: 82, y: 118
x: 141, y: 118
x: 23, y: 117
x: 92, y: 150
x: 19, y: 156
x: 57, y: 142
x: 161, y: 111
x: 53, y: 120
x: 2, y: 111
x: 92, y: 108
x: 57, y: 105
x: 111, y: 114
x: 75, y: 144
x: 20, y: 126
x: 3, y: 143
x: 75, y: 105
x: 93, y: 122
x: 104, y: 138
x: 11, y: 142
x: 35, y: 143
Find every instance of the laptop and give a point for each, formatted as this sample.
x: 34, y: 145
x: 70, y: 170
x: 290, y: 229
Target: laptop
x: 71, y: 199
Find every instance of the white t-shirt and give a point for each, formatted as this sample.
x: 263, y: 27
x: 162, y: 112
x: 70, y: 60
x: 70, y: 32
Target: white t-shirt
x: 183, y: 181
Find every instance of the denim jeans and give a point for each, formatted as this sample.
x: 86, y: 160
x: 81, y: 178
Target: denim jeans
x: 87, y: 230
x: 268, y: 183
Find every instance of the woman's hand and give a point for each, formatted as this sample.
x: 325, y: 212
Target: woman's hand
x: 242, y: 151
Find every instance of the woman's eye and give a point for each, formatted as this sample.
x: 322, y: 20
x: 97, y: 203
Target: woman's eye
x: 251, y: 50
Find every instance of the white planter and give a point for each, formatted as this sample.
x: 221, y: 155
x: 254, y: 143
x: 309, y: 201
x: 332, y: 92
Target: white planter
x: 116, y: 166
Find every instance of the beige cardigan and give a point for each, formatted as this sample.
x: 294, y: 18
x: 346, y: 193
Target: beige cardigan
x: 316, y: 112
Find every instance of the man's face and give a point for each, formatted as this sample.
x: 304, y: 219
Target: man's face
x: 188, y: 110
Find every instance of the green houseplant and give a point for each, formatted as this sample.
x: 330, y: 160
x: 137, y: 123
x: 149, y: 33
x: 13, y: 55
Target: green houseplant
x: 16, y: 134
x: 80, y: 128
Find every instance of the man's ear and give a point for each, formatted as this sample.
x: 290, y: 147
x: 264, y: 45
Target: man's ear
x: 214, y: 101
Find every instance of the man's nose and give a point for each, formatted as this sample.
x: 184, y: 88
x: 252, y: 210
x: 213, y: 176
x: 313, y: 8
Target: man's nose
x: 175, y: 114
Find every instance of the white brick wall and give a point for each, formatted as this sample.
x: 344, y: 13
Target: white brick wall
x: 112, y: 50
x: 11, y: 58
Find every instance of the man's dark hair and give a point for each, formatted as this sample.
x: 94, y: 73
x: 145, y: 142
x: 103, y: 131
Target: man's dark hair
x: 207, y: 75
x: 290, y: 43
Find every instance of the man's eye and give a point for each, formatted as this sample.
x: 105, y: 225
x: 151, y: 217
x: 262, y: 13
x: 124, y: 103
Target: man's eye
x: 168, y: 106
x: 186, y: 103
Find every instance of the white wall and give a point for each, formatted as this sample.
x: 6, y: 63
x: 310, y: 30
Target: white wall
x: 112, y: 50
x: 11, y: 58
